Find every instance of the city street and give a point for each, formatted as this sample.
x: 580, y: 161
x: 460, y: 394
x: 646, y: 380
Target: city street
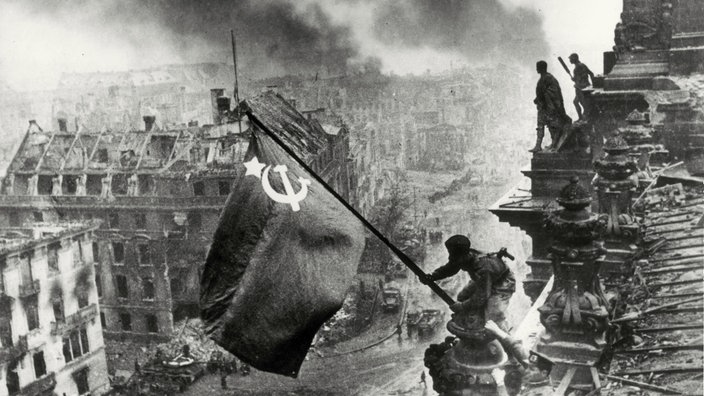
x: 394, y: 367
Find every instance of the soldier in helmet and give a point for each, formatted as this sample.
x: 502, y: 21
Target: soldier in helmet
x: 491, y: 285
x: 581, y: 82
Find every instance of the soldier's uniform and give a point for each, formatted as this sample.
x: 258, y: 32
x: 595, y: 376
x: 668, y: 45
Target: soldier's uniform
x: 581, y: 81
x: 551, y: 109
x: 492, y: 283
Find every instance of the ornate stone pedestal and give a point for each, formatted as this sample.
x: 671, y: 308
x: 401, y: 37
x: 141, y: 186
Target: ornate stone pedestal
x: 463, y: 365
x: 616, y: 184
x: 574, y: 315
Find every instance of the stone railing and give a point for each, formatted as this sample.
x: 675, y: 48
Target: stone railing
x: 74, y: 320
x: 12, y: 352
x: 42, y: 386
x: 29, y: 289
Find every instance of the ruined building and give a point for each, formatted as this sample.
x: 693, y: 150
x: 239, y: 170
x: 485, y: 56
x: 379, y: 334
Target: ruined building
x: 158, y: 194
x: 50, y: 329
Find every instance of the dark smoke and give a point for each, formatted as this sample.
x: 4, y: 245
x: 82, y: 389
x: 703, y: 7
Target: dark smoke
x: 476, y: 28
x: 272, y: 36
x: 276, y: 38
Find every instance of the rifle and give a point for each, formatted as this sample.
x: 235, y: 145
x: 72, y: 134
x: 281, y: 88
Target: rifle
x: 564, y: 66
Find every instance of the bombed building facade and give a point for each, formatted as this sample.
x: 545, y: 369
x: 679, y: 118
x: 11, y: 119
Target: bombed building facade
x: 158, y: 194
x: 50, y: 328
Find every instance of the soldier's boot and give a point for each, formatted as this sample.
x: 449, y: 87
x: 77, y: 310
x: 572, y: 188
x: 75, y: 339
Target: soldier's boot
x: 553, y: 139
x: 538, y: 142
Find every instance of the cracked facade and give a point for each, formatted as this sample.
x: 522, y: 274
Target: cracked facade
x: 50, y: 326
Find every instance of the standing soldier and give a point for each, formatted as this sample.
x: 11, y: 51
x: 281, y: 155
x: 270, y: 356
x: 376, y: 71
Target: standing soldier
x: 581, y: 82
x: 551, y: 108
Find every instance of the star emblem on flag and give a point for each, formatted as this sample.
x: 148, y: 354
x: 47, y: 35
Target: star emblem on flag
x: 254, y: 167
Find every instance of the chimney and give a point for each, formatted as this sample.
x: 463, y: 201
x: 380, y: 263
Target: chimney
x: 149, y: 122
x: 215, y: 93
x: 62, y: 125
x: 34, y: 127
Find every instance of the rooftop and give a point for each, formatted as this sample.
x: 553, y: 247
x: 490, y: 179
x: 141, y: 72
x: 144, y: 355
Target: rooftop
x: 14, y: 239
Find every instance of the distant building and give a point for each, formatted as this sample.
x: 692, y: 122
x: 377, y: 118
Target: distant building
x: 444, y: 147
x: 50, y: 328
x: 159, y: 193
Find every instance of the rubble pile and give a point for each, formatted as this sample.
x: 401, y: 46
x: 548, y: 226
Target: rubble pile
x: 455, y: 186
x: 349, y: 321
x: 190, y: 332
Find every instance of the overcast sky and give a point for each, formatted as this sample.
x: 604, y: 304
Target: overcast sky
x: 40, y: 42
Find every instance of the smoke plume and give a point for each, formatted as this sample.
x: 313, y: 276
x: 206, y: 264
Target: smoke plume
x: 41, y: 39
x: 478, y: 29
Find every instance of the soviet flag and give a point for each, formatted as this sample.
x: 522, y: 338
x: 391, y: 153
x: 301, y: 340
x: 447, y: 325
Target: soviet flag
x: 283, y: 255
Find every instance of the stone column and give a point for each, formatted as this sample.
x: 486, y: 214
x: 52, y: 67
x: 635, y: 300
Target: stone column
x: 574, y: 315
x: 616, y: 183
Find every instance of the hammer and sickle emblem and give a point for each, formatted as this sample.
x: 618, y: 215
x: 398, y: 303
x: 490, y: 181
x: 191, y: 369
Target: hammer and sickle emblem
x: 291, y: 197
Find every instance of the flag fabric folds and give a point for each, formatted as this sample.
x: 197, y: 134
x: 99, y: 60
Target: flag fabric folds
x: 274, y: 274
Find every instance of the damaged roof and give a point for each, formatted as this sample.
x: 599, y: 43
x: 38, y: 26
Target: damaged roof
x: 305, y: 136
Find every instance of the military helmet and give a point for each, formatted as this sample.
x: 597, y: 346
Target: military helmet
x: 458, y: 244
x: 574, y: 56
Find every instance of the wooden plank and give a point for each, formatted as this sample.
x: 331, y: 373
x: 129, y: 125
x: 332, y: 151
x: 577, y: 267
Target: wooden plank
x: 565, y: 382
x: 667, y: 328
x: 662, y: 348
x: 664, y: 370
x: 643, y: 385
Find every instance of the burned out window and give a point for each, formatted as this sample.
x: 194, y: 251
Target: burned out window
x: 94, y: 184
x: 199, y: 189
x: 69, y: 185
x: 82, y: 297
x: 176, y: 287
x: 13, y: 378
x: 75, y: 344
x: 152, y: 324
x: 103, y: 322
x: 52, y: 254
x: 44, y: 184
x: 96, y: 252
x: 140, y: 221
x: 31, y: 308
x: 126, y: 321
x: 38, y: 216
x: 81, y: 379
x: 146, y: 184
x: 119, y: 184
x: 14, y: 219
x: 118, y: 252
x: 195, y: 221
x: 68, y: 356
x: 98, y: 283
x: 147, y: 289
x: 39, y: 364
x: 144, y: 255
x: 77, y: 251
x: 114, y: 220
x: 224, y: 187
x: 102, y: 155
x: 58, y: 307
x: 121, y: 284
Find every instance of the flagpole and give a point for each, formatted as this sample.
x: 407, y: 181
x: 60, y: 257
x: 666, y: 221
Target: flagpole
x: 237, y: 84
x: 402, y: 256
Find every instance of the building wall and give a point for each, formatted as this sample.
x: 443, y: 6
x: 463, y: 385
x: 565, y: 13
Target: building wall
x: 74, y: 276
